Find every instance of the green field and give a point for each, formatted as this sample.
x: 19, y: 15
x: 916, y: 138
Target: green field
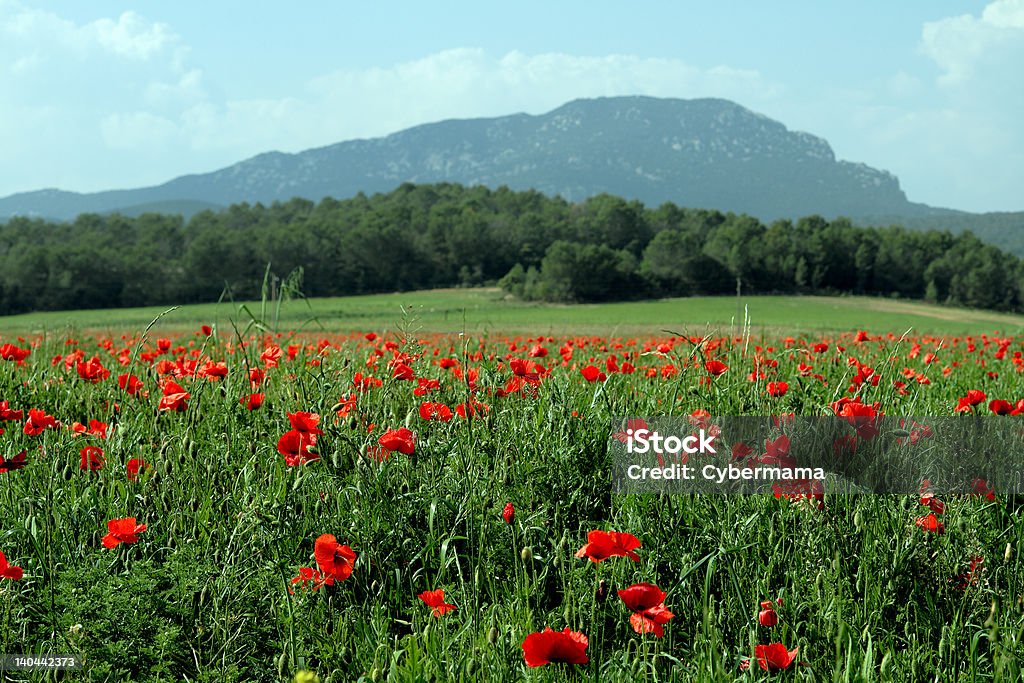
x: 488, y: 310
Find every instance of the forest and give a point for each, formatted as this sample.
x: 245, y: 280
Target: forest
x: 441, y: 235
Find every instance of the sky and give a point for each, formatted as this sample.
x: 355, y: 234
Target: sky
x: 111, y: 94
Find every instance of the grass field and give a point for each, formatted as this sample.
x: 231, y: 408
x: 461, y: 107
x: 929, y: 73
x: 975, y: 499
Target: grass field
x: 197, y: 505
x: 487, y: 311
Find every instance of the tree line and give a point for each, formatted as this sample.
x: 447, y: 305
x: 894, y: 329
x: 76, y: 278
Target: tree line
x: 441, y: 235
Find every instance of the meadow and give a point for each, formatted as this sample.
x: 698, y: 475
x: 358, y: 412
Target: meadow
x: 254, y: 493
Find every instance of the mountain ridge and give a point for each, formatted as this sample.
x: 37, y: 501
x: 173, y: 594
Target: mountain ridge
x: 707, y: 153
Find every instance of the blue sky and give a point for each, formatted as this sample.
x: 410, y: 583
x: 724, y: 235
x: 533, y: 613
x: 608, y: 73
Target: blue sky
x: 112, y: 94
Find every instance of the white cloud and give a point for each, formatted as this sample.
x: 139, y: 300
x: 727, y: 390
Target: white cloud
x: 965, y: 45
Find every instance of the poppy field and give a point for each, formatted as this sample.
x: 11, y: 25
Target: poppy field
x: 240, y: 505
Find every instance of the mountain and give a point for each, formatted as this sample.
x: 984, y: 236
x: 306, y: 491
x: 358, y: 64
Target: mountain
x: 706, y: 153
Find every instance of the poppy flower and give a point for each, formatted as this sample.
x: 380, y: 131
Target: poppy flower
x: 294, y: 446
x: 435, y: 411
x: 123, y: 530
x: 174, y: 397
x: 971, y: 399
x: 134, y: 466
x: 6, y: 414
x: 92, y: 370
x: 980, y: 487
x: 1000, y: 406
x: 305, y: 422
x: 435, y: 599
x: 647, y: 602
x: 333, y: 559
x: 604, y: 544
x: 12, y: 352
x: 92, y: 458
x: 930, y: 523
x: 401, y: 440
x: 130, y: 384
x: 311, y: 577
x: 593, y: 374
x: 768, y: 617
x: 95, y: 428
x: 9, y: 572
x: 549, y: 646
x: 509, y: 513
x: 715, y: 367
x: 252, y: 401
x: 38, y: 421
x: 774, y: 657
x: 15, y: 463
x: 778, y: 389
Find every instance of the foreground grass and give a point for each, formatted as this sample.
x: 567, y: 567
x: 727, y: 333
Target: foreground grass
x: 203, y: 595
x: 484, y: 311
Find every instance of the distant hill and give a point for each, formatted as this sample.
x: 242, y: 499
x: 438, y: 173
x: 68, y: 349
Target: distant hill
x: 703, y: 153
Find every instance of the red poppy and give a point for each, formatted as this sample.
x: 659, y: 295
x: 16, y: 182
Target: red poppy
x: 12, y: 352
x: 593, y: 374
x: 9, y: 572
x: 402, y: 371
x: 37, y: 421
x: 435, y: 411
x: 778, y: 389
x: 715, y: 367
x: 333, y: 559
x: 174, y: 397
x: 311, y: 577
x: 15, y: 463
x: 509, y: 513
x: 768, y: 617
x: 550, y: 646
x: 401, y: 440
x: 604, y: 544
x: 92, y: 458
x: 95, y: 428
x: 775, y: 657
x: 92, y: 370
x: 252, y: 401
x: 294, y: 446
x: 435, y: 599
x: 130, y: 383
x: 980, y: 487
x: 971, y: 399
x: 305, y: 422
x: 123, y: 530
x: 1000, y: 406
x: 930, y: 523
x: 7, y: 414
x: 271, y: 355
x: 134, y: 466
x: 647, y: 602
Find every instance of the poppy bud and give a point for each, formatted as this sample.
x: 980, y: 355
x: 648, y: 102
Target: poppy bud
x: 767, y: 617
x: 527, y: 554
x: 492, y: 635
x: 509, y: 513
x: 1008, y: 553
x: 900, y: 432
x: 375, y: 675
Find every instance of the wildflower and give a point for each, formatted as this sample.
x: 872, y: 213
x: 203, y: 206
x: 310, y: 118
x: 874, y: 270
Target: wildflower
x: 435, y: 599
x: 550, y: 646
x: 123, y: 530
